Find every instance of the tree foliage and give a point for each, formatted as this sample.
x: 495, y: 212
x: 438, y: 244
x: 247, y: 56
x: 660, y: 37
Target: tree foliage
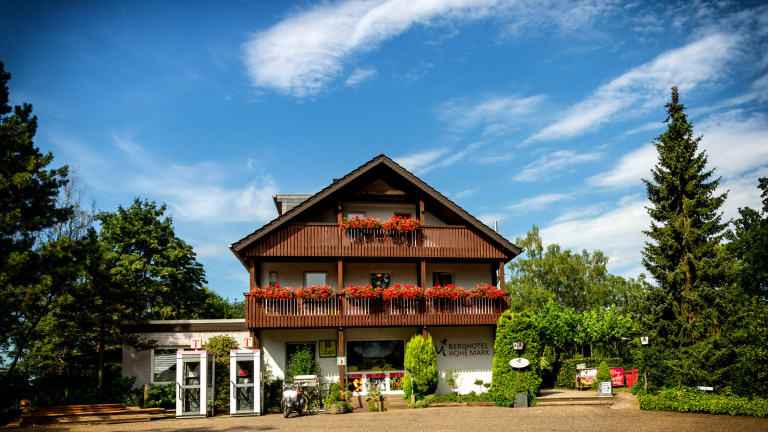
x: 31, y: 274
x: 574, y: 280
x: 421, y: 362
x: 686, y: 230
x: 147, y: 255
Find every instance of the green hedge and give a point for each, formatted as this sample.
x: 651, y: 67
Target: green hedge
x: 523, y: 326
x: 686, y: 399
x: 567, y: 373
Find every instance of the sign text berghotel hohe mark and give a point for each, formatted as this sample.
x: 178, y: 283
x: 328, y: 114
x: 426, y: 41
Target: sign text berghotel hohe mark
x: 463, y: 349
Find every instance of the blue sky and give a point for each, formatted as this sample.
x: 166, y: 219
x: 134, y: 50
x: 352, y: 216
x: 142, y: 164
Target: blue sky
x: 522, y: 112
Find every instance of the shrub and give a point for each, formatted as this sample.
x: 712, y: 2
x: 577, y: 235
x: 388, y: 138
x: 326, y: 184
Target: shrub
x: 686, y: 399
x: 603, y: 374
x: 407, y: 388
x: 302, y: 362
x: 221, y: 345
x: 421, y: 361
x: 163, y: 396
x: 510, y: 327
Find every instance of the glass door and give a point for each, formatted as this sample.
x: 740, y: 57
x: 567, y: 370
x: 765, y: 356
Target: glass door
x: 190, y: 387
x: 244, y: 386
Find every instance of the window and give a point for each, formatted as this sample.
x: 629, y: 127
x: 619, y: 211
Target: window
x: 403, y: 215
x: 314, y: 279
x: 292, y: 348
x: 380, y: 280
x: 273, y: 278
x: 352, y: 214
x: 442, y: 278
x: 379, y: 355
x: 163, y: 365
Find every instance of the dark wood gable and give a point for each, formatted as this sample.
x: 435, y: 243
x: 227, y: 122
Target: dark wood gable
x: 381, y: 179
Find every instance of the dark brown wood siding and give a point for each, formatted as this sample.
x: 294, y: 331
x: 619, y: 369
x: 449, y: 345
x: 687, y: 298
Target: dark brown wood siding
x: 329, y: 240
x: 350, y: 312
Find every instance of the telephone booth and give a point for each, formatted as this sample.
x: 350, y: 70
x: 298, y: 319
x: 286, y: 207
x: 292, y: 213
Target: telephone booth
x: 245, y: 382
x: 194, y: 383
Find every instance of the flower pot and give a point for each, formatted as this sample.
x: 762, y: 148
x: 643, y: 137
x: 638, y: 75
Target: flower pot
x: 521, y: 400
x: 339, y: 408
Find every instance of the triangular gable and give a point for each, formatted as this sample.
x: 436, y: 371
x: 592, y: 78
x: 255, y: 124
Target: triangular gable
x: 379, y: 161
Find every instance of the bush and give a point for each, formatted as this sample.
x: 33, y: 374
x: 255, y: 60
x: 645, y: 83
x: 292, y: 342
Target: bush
x: 421, y: 361
x: 407, y: 390
x: 302, y: 362
x: 686, y: 399
x: 603, y: 374
x: 524, y: 326
x: 163, y: 396
x: 273, y: 393
x: 221, y: 345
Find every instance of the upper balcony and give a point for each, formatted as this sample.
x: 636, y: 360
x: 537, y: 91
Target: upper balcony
x: 352, y: 312
x: 329, y: 240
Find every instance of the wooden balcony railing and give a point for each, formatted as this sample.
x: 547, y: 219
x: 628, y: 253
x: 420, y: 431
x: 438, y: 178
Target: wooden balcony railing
x: 329, y: 240
x: 352, y: 312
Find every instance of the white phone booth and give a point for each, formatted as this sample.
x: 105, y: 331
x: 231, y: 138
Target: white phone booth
x: 245, y: 382
x: 194, y: 383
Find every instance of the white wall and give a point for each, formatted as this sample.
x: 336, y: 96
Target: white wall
x: 466, y: 349
x: 291, y: 274
x: 139, y: 363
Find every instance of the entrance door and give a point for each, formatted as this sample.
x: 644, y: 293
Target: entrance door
x: 244, y: 386
x: 190, y: 387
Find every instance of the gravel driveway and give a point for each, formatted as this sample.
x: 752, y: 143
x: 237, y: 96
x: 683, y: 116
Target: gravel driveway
x: 485, y: 419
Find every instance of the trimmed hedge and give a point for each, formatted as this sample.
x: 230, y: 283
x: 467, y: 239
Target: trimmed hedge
x: 523, y: 326
x: 567, y: 373
x: 686, y: 399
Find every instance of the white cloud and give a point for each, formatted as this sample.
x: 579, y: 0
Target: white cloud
x: 308, y: 50
x: 617, y: 232
x: 646, y: 86
x: 631, y: 169
x: 496, y: 113
x: 359, y: 75
x: 417, y: 161
x: 552, y: 165
x: 735, y: 141
x: 303, y: 53
x: 538, y: 202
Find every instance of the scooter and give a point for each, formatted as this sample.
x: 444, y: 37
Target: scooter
x: 293, y: 400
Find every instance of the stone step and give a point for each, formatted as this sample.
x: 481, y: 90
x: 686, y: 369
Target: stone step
x: 564, y: 401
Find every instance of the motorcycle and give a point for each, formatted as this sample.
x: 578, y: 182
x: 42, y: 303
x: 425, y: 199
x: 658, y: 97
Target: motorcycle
x: 293, y: 400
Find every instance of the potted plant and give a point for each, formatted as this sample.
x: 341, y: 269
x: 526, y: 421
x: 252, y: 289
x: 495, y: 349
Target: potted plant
x: 334, y: 403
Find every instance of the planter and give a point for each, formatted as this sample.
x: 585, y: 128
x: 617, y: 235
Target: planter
x: 339, y: 408
x: 521, y: 400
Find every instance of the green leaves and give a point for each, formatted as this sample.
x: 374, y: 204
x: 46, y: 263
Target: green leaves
x: 421, y: 361
x: 576, y: 280
x: 146, y: 254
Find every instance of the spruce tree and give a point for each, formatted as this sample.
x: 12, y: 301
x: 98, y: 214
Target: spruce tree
x: 684, y: 254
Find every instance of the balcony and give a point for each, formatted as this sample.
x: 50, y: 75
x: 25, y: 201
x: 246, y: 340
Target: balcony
x: 329, y: 240
x: 351, y: 312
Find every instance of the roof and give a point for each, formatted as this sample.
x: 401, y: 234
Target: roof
x: 214, y: 325
x: 381, y: 161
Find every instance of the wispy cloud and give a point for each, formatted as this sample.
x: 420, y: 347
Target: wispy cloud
x: 647, y: 86
x: 494, y: 113
x: 538, y: 202
x: 359, y: 75
x: 553, y: 164
x: 308, y: 50
x: 617, y: 232
x: 417, y: 161
x: 630, y: 170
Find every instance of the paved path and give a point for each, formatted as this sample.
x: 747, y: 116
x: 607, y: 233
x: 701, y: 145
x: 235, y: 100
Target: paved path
x: 485, y: 419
